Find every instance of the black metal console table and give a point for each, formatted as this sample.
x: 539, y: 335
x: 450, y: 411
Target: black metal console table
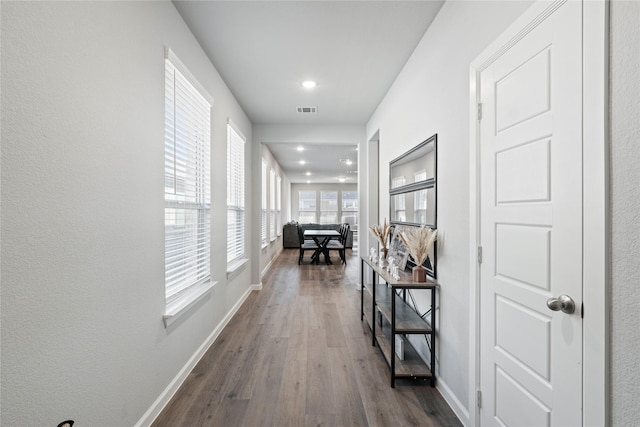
x: 397, y: 318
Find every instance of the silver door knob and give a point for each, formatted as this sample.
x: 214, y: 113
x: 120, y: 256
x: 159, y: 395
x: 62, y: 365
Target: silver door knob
x: 562, y: 303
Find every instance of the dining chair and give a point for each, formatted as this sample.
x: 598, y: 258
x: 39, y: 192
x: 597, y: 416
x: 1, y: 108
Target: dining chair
x: 305, y: 245
x: 340, y: 245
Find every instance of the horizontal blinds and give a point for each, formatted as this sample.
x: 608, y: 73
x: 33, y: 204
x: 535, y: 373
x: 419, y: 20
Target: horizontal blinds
x: 279, y: 204
x: 235, y: 195
x: 349, y: 207
x: 307, y: 201
x: 272, y: 204
x: 187, y: 184
x: 263, y: 214
x: 328, y: 207
x: 349, y: 201
x: 307, y: 207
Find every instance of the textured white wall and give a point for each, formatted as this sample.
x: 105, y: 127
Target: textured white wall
x: 311, y: 134
x: 82, y: 210
x: 625, y: 212
x: 431, y: 95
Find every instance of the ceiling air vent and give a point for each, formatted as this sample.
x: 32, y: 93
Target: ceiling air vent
x: 307, y: 110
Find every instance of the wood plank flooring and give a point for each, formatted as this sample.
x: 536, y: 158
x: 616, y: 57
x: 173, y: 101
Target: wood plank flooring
x: 296, y: 354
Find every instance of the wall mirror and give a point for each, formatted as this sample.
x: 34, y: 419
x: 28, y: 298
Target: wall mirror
x: 413, y: 198
x: 412, y: 186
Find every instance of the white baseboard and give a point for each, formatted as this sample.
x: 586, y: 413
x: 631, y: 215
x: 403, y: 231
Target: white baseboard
x: 458, y: 408
x: 268, y: 266
x: 152, y: 413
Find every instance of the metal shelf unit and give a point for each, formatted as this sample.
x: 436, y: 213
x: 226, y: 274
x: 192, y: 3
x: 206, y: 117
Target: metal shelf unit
x: 390, y: 300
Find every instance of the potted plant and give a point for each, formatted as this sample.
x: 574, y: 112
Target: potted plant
x: 419, y: 242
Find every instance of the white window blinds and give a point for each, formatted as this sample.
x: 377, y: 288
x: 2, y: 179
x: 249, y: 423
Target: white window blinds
x: 263, y: 217
x: 272, y: 205
x: 279, y: 204
x: 186, y: 184
x: 350, y: 207
x: 307, y: 207
x: 235, y: 195
x: 328, y: 207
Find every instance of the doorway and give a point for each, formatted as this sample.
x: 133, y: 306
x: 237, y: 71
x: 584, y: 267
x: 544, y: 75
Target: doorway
x: 531, y: 142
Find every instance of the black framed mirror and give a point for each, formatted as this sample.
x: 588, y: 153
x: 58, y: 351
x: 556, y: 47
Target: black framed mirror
x: 413, y: 197
x: 412, y: 185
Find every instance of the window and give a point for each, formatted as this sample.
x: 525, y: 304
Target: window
x: 328, y: 207
x: 187, y: 192
x: 306, y: 207
x: 263, y: 217
x: 335, y: 206
x: 272, y: 205
x: 279, y: 204
x: 235, y: 196
x: 350, y: 208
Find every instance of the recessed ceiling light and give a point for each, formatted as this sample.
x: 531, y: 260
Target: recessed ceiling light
x: 342, y: 178
x: 349, y: 162
x: 309, y: 84
x: 300, y: 148
x: 302, y: 162
x: 308, y: 173
x: 308, y: 182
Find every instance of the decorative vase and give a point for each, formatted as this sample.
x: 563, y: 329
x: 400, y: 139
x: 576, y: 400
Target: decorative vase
x: 419, y: 273
x: 382, y: 262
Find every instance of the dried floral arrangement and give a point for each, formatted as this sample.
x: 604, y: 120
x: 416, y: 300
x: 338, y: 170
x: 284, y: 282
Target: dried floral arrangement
x: 419, y: 242
x: 382, y: 233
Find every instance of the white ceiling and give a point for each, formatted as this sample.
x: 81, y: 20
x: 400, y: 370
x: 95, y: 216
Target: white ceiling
x: 325, y: 162
x: 265, y: 49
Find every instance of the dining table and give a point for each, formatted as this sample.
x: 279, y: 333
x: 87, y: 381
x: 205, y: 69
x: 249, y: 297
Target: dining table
x: 322, y: 239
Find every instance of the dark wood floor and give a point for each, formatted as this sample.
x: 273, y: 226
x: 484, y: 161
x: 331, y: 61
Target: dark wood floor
x: 297, y: 354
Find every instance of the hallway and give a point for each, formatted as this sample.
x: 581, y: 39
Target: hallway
x: 296, y: 354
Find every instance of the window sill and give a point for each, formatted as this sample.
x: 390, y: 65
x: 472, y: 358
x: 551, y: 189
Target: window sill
x: 180, y: 306
x: 235, y: 267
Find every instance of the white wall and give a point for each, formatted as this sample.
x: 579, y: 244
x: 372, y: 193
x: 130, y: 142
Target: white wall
x: 625, y: 212
x: 308, y: 134
x: 368, y: 181
x: 431, y: 95
x: 82, y: 211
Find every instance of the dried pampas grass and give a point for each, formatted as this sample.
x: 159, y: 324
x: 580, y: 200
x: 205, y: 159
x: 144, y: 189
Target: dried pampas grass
x: 419, y: 242
x: 381, y: 232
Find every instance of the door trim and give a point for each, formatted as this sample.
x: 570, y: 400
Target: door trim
x: 596, y: 242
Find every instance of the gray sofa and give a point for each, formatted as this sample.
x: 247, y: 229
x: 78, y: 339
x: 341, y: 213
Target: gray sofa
x: 290, y: 233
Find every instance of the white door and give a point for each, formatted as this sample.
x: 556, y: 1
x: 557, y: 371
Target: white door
x: 530, y: 150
